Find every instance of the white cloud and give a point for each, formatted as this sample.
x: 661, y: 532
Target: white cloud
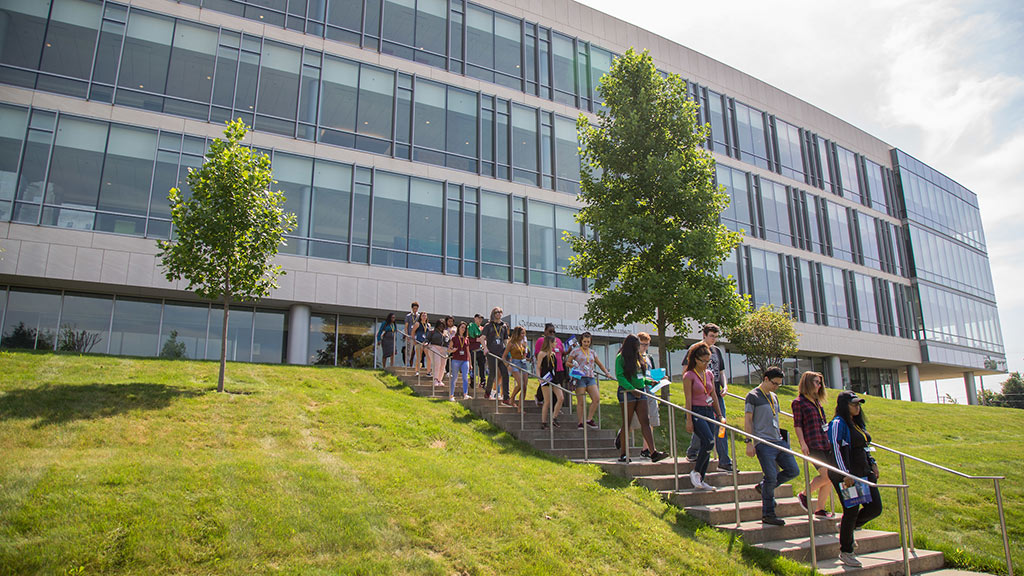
x: 941, y: 79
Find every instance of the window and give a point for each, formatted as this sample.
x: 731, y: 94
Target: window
x: 875, y: 185
x: 790, y: 157
x: 524, y: 144
x: 834, y: 290
x: 70, y: 41
x: 564, y: 71
x: 750, y: 129
x: 736, y: 215
x: 322, y: 339
x: 136, y: 327
x: 144, y: 61
x: 567, y: 157
x: 294, y: 175
x: 31, y: 319
x: 425, y: 224
x: 183, y: 332
x: 332, y: 198
x: 775, y: 207
x: 339, y: 92
x: 494, y: 236
x: 269, y: 336
x: 190, y: 74
x: 839, y: 231
x: 848, y: 174
x: 239, y: 340
x: 22, y: 42
x: 12, y: 133
x: 74, y: 179
x: 278, y: 94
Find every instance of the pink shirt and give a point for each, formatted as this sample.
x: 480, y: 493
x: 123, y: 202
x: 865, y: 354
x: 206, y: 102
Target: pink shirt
x: 558, y: 347
x: 700, y: 393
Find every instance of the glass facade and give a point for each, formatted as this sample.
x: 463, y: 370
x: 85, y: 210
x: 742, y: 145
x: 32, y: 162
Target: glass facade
x: 62, y: 170
x: 959, y: 322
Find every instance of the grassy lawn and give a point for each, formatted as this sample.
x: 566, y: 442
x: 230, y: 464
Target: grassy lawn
x: 124, y: 466
x: 951, y: 514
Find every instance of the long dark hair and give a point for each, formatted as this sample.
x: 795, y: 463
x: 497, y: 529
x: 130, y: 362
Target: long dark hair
x: 630, y: 352
x: 698, y: 350
x: 440, y: 325
x: 843, y: 411
x: 390, y: 319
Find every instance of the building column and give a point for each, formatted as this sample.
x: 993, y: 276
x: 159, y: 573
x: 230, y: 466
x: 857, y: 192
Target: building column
x: 972, y: 392
x: 835, y: 372
x: 914, y: 379
x: 298, y: 334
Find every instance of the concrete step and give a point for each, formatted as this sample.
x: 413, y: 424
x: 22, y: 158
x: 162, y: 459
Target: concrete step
x: 645, y: 468
x: 799, y: 549
x: 563, y: 442
x: 725, y: 512
x: 577, y: 453
x: 754, y: 532
x: 693, y: 497
x: 661, y: 482
x: 886, y: 563
x: 607, y: 436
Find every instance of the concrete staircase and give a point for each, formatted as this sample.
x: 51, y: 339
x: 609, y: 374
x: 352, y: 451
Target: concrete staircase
x: 880, y: 552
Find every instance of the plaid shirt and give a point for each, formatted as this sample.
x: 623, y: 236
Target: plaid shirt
x: 811, y: 419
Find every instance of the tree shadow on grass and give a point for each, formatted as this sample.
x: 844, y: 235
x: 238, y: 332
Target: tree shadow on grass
x: 61, y: 403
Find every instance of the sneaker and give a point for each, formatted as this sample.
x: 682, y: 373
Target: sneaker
x: 467, y: 397
x: 757, y: 487
x: 555, y: 423
x: 708, y: 487
x: 452, y: 399
x: 593, y: 425
x: 645, y: 453
x: 624, y: 460
x: 803, y: 500
x: 725, y: 467
x: 579, y: 426
x: 824, y: 514
x: 507, y: 404
x: 618, y: 439
x: 417, y: 374
x: 658, y: 456
x: 695, y: 479
x: 543, y: 425
x: 848, y: 559
x: 691, y: 458
x: 773, y: 520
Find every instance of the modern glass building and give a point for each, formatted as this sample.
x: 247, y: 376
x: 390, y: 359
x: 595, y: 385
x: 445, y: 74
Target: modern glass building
x: 429, y: 150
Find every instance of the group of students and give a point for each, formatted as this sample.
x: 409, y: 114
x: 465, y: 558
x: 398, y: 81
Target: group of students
x: 494, y: 356
x: 842, y: 442
x: 472, y: 350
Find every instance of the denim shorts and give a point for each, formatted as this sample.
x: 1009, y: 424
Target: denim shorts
x: 586, y: 381
x: 625, y: 396
x: 520, y: 365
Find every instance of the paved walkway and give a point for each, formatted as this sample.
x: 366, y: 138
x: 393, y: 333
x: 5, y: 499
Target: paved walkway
x: 953, y: 572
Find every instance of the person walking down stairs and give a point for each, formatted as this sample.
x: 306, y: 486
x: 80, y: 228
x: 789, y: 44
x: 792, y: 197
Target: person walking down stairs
x: 761, y: 420
x: 702, y: 399
x: 811, y: 427
x: 851, y: 445
x: 631, y: 382
x: 459, y: 349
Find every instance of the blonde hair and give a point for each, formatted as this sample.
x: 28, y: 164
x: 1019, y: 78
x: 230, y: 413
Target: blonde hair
x: 809, y: 390
x: 643, y: 337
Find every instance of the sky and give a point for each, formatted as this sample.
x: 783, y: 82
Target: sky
x: 942, y: 80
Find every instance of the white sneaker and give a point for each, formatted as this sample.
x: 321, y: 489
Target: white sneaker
x: 467, y: 397
x: 849, y: 559
x: 708, y: 487
x: 695, y: 479
x: 451, y: 399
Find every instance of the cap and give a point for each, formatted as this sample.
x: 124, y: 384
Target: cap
x: 854, y: 399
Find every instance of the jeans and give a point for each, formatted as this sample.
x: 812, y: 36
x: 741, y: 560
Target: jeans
x: 493, y: 367
x: 856, y: 517
x: 772, y: 460
x: 460, y: 367
x: 721, y: 444
x: 702, y: 430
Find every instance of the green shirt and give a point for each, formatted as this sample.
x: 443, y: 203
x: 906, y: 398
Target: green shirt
x: 474, y: 330
x: 637, y: 383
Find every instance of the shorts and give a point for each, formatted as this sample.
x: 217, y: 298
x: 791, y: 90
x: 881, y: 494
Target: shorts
x: 586, y: 381
x: 822, y: 456
x: 626, y: 396
x: 519, y: 365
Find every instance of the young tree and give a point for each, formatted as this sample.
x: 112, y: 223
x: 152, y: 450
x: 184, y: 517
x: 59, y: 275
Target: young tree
x: 230, y: 228
x: 652, y: 209
x: 766, y: 336
x: 1013, y: 391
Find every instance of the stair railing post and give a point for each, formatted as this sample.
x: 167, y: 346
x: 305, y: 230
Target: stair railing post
x: 810, y: 517
x: 901, y: 496
x: 586, y: 425
x: 522, y: 403
x: 551, y: 412
x: 433, y: 385
x: 672, y: 446
x: 1002, y: 526
x: 735, y: 478
x: 906, y: 501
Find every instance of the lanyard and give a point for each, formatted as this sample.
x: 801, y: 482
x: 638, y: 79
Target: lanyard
x: 704, y: 383
x: 862, y: 433
x: 770, y: 403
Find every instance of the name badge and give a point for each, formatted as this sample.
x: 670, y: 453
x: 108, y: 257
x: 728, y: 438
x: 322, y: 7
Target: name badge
x: 497, y: 341
x: 824, y: 427
x: 709, y: 400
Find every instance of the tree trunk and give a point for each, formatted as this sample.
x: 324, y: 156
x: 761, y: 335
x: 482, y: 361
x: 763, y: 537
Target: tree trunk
x: 662, y: 350
x: 223, y: 345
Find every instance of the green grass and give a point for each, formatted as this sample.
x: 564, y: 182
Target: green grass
x: 949, y: 513
x: 127, y: 466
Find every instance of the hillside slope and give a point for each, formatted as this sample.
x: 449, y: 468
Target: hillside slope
x: 124, y: 466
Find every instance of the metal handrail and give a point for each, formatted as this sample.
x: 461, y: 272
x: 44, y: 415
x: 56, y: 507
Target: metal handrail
x: 903, y: 476
x: 901, y: 489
